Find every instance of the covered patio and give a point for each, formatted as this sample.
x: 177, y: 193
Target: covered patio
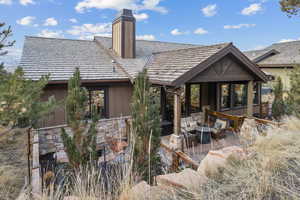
x: 217, y: 78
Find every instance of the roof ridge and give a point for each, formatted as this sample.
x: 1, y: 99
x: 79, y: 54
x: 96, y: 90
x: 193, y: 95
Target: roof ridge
x: 278, y: 43
x: 154, y: 41
x: 52, y: 38
x: 225, y: 43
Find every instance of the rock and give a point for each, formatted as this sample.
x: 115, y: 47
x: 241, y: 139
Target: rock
x: 187, y: 179
x: 216, y: 160
x: 175, y: 142
x: 71, y: 198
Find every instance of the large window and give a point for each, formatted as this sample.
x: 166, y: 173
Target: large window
x: 97, y: 102
x: 256, y: 93
x: 225, y: 96
x: 239, y: 95
x: 195, y: 98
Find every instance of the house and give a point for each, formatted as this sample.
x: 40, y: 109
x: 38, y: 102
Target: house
x: 278, y: 60
x: 222, y: 76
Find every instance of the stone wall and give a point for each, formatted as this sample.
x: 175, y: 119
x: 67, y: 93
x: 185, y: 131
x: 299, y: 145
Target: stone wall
x: 50, y: 140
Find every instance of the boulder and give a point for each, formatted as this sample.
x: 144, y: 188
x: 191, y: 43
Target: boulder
x: 187, y: 179
x: 216, y: 160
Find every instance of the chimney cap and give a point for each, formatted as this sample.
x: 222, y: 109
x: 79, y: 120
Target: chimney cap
x: 124, y: 14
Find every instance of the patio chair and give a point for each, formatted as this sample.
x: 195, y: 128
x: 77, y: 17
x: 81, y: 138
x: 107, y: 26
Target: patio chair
x: 219, y: 129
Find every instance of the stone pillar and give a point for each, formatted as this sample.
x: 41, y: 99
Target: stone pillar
x: 250, y: 99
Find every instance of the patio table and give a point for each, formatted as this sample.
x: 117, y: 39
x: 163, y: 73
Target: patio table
x: 204, y: 134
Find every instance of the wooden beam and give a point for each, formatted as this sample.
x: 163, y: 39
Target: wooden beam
x: 250, y: 99
x: 177, y: 112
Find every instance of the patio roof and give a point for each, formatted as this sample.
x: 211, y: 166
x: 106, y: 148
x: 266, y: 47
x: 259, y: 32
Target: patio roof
x: 175, y: 68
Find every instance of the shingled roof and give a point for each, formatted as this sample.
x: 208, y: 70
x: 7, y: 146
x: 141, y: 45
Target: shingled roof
x: 284, y: 54
x: 60, y: 58
x: 166, y: 62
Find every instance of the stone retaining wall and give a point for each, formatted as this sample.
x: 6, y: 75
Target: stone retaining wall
x: 50, y: 140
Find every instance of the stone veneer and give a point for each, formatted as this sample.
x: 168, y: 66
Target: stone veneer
x: 50, y: 140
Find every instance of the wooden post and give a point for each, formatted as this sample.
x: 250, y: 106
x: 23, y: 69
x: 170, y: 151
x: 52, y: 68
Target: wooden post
x: 250, y: 99
x: 187, y: 99
x: 177, y: 112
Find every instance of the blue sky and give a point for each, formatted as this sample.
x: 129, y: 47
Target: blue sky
x: 249, y: 24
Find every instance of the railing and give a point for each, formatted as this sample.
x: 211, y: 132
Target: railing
x: 237, y: 120
x: 179, y: 155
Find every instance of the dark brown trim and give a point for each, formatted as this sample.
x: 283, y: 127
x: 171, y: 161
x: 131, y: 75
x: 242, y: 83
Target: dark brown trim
x: 188, y: 99
x: 266, y: 55
x: 229, y: 49
x: 90, y: 81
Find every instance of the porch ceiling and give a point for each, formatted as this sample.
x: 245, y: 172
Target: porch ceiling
x: 175, y: 68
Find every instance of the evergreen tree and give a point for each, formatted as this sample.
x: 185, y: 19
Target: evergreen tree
x: 291, y: 7
x: 294, y: 93
x: 20, y: 103
x: 145, y: 127
x: 278, y: 107
x: 80, y: 148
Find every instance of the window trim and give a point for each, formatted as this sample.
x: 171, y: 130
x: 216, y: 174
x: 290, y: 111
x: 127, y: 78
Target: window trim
x: 106, y: 98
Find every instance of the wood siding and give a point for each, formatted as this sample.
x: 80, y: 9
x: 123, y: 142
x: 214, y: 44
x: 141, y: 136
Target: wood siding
x: 119, y: 99
x: 58, y: 116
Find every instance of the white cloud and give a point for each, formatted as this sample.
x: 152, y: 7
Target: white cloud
x: 145, y: 37
x: 26, y: 21
x: 209, y: 10
x: 239, y: 26
x: 11, y: 59
x: 73, y: 20
x: 200, y: 31
x: 141, y: 16
x: 84, y: 5
x: 51, y: 34
x: 176, y: 31
x: 88, y: 31
x: 287, y: 40
x: 252, y: 9
x: 26, y: 2
x: 6, y: 2
x: 50, y: 22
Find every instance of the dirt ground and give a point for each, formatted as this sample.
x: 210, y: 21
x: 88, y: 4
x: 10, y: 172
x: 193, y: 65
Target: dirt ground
x: 13, y: 165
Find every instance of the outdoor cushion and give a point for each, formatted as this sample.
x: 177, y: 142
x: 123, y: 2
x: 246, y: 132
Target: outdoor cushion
x: 220, y: 124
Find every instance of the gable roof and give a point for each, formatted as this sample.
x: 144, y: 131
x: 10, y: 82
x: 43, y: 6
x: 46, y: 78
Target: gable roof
x: 178, y: 66
x: 60, y: 58
x: 278, y: 54
x: 144, y: 50
x: 168, y: 63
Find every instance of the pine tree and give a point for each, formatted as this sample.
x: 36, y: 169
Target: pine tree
x: 278, y: 107
x: 81, y: 148
x: 146, y: 127
x: 291, y: 7
x: 294, y: 93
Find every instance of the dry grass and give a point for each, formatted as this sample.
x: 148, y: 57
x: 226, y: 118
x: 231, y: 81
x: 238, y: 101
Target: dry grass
x: 272, y: 170
x: 12, y: 164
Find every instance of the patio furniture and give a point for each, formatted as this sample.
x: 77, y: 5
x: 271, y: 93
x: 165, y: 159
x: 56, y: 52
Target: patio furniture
x: 204, y: 134
x: 219, y: 129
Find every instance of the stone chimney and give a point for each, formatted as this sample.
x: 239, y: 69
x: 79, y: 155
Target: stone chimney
x: 123, y: 34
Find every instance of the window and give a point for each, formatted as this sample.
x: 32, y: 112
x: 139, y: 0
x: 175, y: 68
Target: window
x: 239, y: 95
x: 97, y: 101
x: 225, y: 96
x: 195, y: 98
x: 256, y: 93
